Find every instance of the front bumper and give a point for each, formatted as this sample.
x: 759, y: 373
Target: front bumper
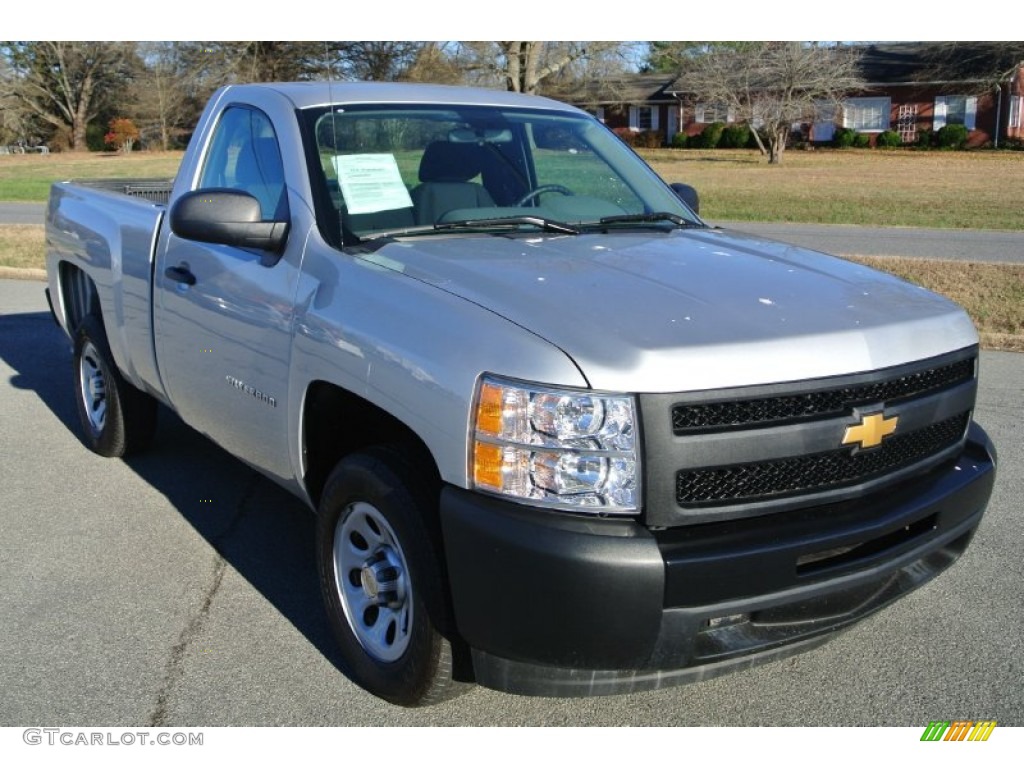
x: 560, y: 605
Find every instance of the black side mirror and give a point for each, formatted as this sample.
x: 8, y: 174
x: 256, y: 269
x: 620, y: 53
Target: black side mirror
x: 228, y: 217
x: 688, y: 195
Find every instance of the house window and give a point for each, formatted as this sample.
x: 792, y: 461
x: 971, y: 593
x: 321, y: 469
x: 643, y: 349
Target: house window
x: 955, y: 110
x: 1016, y: 120
x: 866, y: 115
x: 643, y: 118
x: 712, y: 113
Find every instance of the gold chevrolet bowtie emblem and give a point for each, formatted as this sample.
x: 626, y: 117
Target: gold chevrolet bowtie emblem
x: 871, y: 431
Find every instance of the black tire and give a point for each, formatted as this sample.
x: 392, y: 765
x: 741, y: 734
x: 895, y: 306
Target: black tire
x: 117, y: 419
x: 382, y: 578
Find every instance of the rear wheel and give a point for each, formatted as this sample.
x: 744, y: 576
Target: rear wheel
x: 382, y: 579
x: 117, y: 418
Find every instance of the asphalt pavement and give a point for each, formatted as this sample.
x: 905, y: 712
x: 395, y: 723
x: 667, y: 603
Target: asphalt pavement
x: 178, y: 589
x: 22, y: 213
x: 917, y: 242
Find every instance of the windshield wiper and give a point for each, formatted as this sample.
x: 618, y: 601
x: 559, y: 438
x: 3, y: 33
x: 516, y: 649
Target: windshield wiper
x: 631, y: 218
x: 420, y: 230
x: 548, y: 225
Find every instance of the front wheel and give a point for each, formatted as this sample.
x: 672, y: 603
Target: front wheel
x: 382, y: 579
x: 117, y: 418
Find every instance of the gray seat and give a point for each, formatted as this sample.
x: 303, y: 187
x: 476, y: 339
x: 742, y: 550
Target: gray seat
x: 445, y: 172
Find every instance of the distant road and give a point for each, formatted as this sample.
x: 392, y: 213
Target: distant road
x: 22, y: 213
x: 844, y: 240
x: 849, y: 240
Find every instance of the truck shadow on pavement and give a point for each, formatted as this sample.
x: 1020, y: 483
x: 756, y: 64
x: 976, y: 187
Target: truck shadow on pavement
x: 259, y: 529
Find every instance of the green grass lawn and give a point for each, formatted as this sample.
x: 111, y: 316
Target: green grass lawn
x: 978, y: 190
x: 27, y: 178
x: 972, y: 190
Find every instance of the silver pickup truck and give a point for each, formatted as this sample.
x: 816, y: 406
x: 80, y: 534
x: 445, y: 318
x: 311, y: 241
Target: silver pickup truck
x: 561, y: 437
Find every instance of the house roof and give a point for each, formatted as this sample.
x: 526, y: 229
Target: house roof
x: 939, y: 62
x: 620, y: 89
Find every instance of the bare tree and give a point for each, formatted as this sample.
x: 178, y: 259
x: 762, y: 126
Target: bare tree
x: 436, y: 62
x: 379, y: 60
x: 527, y: 66
x: 771, y: 85
x: 66, y: 84
x: 163, y: 98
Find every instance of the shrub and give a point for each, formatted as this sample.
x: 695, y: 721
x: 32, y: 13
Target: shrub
x: 862, y: 141
x: 93, y: 138
x: 60, y: 141
x: 648, y: 139
x: 951, y: 137
x: 735, y: 137
x: 888, y: 140
x: 711, y: 135
x: 925, y: 138
x: 123, y: 134
x: 628, y: 136
x: 680, y: 140
x: 843, y: 137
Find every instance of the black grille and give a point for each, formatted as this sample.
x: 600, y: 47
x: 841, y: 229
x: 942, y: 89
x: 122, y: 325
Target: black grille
x: 819, y: 472
x: 698, y: 417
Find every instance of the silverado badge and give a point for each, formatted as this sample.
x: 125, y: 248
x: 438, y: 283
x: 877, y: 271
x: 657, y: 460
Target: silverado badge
x: 871, y: 431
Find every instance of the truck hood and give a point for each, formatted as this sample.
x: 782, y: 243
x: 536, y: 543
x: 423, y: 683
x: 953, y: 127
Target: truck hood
x: 689, y: 309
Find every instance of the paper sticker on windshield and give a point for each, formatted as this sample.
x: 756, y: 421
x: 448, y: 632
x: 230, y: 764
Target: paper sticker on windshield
x: 371, y: 183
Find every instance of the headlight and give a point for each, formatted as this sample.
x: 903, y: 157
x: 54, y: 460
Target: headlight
x: 570, y: 449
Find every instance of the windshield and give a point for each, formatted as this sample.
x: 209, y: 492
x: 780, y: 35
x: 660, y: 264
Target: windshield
x: 408, y: 171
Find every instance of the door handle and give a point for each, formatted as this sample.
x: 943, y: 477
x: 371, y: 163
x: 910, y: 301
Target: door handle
x: 180, y: 274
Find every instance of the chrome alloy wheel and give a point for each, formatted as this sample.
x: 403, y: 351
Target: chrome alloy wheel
x: 372, y: 580
x: 93, y: 388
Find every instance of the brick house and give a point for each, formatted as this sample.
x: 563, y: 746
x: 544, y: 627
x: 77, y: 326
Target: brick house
x: 915, y: 87
x: 911, y: 88
x: 636, y: 102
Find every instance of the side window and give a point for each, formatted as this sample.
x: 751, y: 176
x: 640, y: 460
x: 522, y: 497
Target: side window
x: 245, y: 155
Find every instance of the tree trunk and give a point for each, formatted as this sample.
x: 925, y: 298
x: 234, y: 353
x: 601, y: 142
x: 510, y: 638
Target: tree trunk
x: 777, y: 144
x: 80, y: 122
x: 513, y: 78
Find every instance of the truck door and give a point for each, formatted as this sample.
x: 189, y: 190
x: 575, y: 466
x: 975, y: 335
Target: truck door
x: 223, y: 315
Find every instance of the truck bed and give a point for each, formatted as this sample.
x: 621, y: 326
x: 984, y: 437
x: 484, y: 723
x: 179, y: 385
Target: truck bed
x: 154, y: 190
x: 106, y: 229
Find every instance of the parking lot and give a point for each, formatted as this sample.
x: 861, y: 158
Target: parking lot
x: 178, y: 589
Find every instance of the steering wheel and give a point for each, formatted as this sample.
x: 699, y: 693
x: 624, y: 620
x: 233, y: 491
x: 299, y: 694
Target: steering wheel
x: 541, y: 190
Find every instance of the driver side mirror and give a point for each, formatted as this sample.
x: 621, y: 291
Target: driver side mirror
x: 688, y: 195
x: 228, y: 217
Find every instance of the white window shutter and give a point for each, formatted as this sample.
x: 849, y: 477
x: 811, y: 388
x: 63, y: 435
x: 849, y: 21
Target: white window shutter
x: 698, y: 114
x: 634, y: 120
x: 655, y: 115
x: 600, y: 114
x: 940, y: 112
x: 730, y: 115
x: 970, y: 112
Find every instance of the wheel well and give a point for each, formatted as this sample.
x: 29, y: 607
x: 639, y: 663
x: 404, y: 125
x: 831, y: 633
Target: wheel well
x: 336, y: 422
x: 79, y: 294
